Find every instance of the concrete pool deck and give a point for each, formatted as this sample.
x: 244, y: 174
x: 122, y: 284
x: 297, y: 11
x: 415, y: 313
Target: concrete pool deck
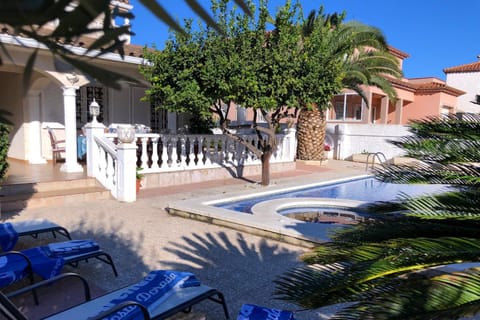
x: 265, y: 220
x: 142, y: 236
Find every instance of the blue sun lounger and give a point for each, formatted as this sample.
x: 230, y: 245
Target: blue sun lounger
x: 11, y: 231
x: 48, y: 261
x: 129, y: 302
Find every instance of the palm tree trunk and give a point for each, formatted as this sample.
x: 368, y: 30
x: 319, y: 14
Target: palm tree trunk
x: 311, y: 128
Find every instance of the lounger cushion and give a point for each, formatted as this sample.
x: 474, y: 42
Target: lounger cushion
x: 254, y: 312
x: 8, y: 236
x: 71, y: 248
x: 14, y: 267
x: 175, y: 301
x: 152, y: 291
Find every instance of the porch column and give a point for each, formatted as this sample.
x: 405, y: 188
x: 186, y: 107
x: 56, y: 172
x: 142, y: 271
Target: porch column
x: 398, y: 111
x: 384, y: 110
x: 126, y: 183
x: 34, y: 128
x: 71, y: 164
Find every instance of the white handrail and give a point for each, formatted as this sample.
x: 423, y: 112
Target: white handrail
x: 107, y: 145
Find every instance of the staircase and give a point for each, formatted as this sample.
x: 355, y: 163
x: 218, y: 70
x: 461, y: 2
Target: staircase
x: 18, y: 196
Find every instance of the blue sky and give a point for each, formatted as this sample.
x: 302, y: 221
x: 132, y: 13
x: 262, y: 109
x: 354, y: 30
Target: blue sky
x: 435, y: 33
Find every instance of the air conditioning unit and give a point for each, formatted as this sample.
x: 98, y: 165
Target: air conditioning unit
x: 477, y: 99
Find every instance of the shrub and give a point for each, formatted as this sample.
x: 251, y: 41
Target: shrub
x: 4, y: 145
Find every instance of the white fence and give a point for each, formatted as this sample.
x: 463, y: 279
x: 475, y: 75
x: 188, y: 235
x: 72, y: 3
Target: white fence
x: 114, y: 163
x: 349, y: 139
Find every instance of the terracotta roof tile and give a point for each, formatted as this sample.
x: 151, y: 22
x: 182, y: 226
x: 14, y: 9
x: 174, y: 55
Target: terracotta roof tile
x: 469, y: 67
x: 398, y: 53
x: 432, y: 87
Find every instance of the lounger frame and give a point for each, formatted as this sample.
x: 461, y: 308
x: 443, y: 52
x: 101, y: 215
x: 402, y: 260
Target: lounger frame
x: 35, y: 227
x: 71, y: 260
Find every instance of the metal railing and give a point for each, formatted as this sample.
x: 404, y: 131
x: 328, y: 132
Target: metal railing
x: 375, y: 155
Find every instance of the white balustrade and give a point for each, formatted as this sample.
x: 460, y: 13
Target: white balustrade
x: 156, y: 153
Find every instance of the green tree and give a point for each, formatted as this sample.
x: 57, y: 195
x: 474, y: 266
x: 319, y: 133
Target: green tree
x: 336, y: 56
x: 387, y: 267
x: 205, y: 73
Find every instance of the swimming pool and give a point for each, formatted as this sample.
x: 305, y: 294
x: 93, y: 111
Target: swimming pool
x: 259, y: 210
x: 364, y: 189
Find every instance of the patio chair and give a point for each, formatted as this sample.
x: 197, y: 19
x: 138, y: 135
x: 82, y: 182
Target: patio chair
x: 11, y: 231
x: 48, y: 261
x: 58, y: 146
x: 181, y: 298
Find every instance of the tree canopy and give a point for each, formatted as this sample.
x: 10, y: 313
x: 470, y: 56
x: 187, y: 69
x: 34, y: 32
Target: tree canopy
x: 206, y: 73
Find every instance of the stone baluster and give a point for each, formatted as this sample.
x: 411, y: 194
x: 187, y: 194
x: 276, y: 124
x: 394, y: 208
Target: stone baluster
x: 174, y: 153
x: 155, y: 156
x: 110, y: 172
x: 183, y: 152
x: 144, y: 157
x: 102, y: 165
x: 206, y: 143
x: 191, y: 152
x: 165, y: 142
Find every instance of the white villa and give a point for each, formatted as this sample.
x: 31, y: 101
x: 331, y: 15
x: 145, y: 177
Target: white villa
x: 58, y: 97
x: 466, y: 77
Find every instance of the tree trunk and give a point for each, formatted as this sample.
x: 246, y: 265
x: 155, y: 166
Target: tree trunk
x: 266, y: 167
x: 311, y: 128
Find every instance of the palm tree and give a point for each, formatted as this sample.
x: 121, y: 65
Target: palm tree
x: 341, y: 56
x: 388, y: 267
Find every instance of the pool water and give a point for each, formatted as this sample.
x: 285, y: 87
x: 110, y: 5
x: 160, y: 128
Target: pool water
x: 364, y: 189
x: 324, y: 215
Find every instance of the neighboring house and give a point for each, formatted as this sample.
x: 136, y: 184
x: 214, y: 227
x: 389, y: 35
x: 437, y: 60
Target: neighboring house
x: 60, y: 99
x: 417, y: 98
x: 467, y: 78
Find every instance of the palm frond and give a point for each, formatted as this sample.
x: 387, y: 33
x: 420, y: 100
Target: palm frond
x: 369, y: 267
x: 467, y: 175
x: 426, y: 296
x: 462, y: 205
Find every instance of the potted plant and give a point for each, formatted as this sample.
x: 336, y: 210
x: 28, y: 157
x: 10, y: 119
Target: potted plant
x: 139, y: 177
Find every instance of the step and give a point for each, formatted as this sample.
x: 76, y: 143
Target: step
x: 34, y: 187
x: 59, y: 193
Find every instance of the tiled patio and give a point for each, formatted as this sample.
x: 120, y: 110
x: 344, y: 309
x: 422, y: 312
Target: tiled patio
x: 142, y: 236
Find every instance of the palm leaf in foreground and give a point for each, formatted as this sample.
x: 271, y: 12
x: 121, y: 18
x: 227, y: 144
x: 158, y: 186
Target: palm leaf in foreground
x: 385, y: 266
x: 422, y: 296
x: 368, y: 266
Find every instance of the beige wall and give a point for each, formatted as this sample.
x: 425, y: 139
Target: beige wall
x: 12, y: 101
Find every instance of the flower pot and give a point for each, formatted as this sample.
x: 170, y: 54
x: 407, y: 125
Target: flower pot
x: 139, y: 184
